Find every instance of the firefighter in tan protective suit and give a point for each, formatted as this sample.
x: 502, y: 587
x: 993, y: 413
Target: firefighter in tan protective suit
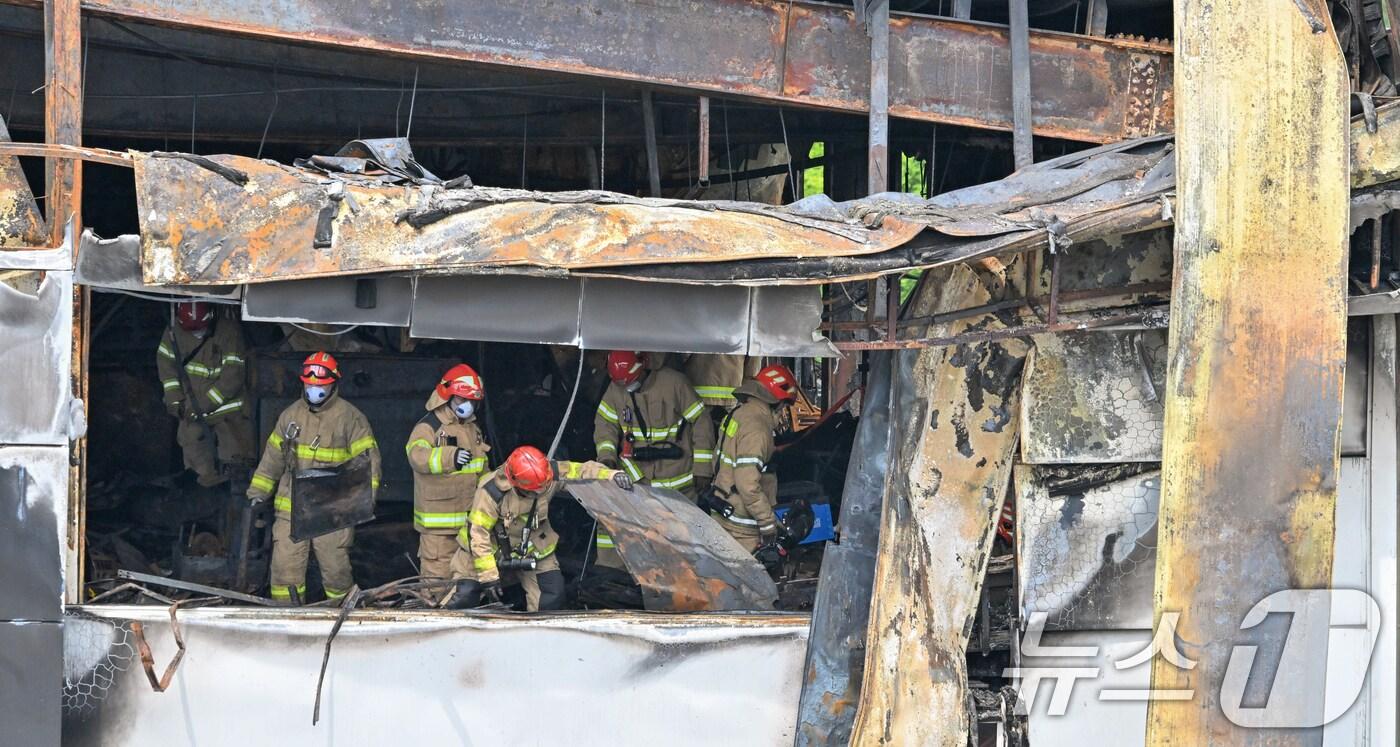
x: 746, y: 493
x: 201, y: 366
x: 650, y: 425
x: 715, y: 376
x: 448, y: 454
x: 508, y: 530
x: 324, y: 431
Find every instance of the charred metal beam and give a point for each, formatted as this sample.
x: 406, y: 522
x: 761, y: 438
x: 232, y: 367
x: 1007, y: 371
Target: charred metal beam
x: 20, y: 221
x: 63, y: 111
x: 807, y: 54
x: 1257, y: 346
x: 877, y: 23
x: 1020, y: 83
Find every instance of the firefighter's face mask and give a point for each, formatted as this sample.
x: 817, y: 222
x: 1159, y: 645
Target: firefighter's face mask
x: 316, y: 394
x: 200, y: 334
x: 636, y: 385
x: 462, y: 407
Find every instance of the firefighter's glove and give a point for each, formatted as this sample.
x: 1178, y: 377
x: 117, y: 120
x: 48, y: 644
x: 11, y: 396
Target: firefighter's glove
x: 491, y: 593
x: 768, y: 535
x: 464, y: 594
x: 254, y: 500
x: 622, y: 480
x: 463, y: 456
x: 176, y: 408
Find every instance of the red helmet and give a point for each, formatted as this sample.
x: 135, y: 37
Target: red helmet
x: 527, y: 468
x: 461, y: 381
x: 319, y: 369
x: 626, y: 366
x: 779, y: 381
x: 193, y: 315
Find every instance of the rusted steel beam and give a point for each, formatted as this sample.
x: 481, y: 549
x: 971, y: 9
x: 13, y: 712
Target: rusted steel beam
x: 67, y: 152
x: 649, y: 132
x: 63, y: 112
x: 1375, y: 156
x: 1256, y: 354
x: 703, y: 165
x: 806, y: 54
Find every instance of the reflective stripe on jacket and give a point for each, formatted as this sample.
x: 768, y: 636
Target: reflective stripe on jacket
x: 670, y: 412
x: 442, y: 493
x: 745, y: 446
x: 215, y: 372
x: 331, y: 435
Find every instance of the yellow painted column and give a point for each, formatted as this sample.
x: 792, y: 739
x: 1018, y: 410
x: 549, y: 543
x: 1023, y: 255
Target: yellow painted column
x: 1257, y: 349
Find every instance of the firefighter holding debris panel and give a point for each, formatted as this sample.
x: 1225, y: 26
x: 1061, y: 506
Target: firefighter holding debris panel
x: 200, y: 361
x: 448, y: 454
x: 743, y: 494
x: 320, y: 434
x: 508, y: 531
x: 649, y: 424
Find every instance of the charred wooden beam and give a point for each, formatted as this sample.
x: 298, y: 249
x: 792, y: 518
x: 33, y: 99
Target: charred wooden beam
x: 1257, y: 346
x: 63, y: 112
x: 805, y: 54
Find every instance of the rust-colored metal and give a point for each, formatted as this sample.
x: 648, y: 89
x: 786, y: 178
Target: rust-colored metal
x: 63, y: 112
x: 199, y: 226
x: 703, y: 164
x: 1256, y: 355
x: 1376, y: 252
x: 148, y: 663
x: 953, y: 442
x: 1008, y: 333
x: 21, y: 224
x: 1021, y: 143
x: 62, y: 151
x: 797, y: 53
x: 877, y: 24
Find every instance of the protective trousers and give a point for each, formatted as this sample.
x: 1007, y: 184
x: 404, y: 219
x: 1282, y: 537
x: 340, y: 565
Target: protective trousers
x: 544, y: 586
x: 289, y: 561
x: 435, y: 553
x: 206, y: 447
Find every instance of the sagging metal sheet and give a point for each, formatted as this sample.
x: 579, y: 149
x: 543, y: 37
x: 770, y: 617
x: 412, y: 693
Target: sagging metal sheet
x: 374, y: 301
x: 682, y: 558
x: 836, y: 652
x: 623, y: 679
x: 1086, y: 545
x: 231, y: 219
x: 116, y: 264
x: 605, y: 314
x: 497, y: 309
x: 34, y: 502
x: 619, y: 314
x: 35, y: 402
x: 20, y: 221
x: 954, y: 445
x: 1094, y: 397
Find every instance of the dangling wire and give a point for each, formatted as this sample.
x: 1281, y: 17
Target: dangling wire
x: 729, y: 152
x: 603, y: 144
x: 194, y: 117
x: 268, y: 125
x: 411, y: 101
x: 792, y: 179
x: 524, y: 146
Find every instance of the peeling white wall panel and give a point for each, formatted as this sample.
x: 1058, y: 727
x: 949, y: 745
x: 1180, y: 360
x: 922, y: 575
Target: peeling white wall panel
x: 398, y: 678
x: 33, y: 527
x: 35, y: 353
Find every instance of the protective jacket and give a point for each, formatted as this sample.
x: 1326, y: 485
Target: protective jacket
x: 332, y: 434
x: 745, y: 446
x: 214, y: 371
x: 665, y: 411
x: 442, y: 493
x: 500, y: 511
x: 716, y: 375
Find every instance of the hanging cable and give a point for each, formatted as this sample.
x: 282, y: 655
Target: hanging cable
x: 411, y: 101
x: 578, y: 381
x: 166, y: 299
x: 603, y: 143
x: 348, y: 328
x: 792, y: 179
x: 268, y: 124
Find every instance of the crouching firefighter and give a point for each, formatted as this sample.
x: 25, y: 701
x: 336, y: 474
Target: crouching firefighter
x: 321, y: 430
x: 743, y: 494
x: 508, y: 531
x: 448, y: 454
x: 200, y: 362
x: 649, y: 424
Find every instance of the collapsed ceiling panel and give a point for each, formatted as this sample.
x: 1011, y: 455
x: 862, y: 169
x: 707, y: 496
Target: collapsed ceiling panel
x: 115, y: 264
x: 1094, y: 397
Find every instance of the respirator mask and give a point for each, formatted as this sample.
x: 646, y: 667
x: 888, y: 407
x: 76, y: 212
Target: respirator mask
x: 316, y: 395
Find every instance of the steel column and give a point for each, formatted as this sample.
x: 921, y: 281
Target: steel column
x: 1020, y: 83
x: 63, y: 112
x: 878, y: 152
x: 1257, y: 351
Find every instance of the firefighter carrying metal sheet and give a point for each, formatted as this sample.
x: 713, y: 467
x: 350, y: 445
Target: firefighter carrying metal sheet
x: 650, y: 424
x: 200, y: 362
x: 508, y: 530
x: 743, y: 494
x: 320, y: 430
x: 448, y: 454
